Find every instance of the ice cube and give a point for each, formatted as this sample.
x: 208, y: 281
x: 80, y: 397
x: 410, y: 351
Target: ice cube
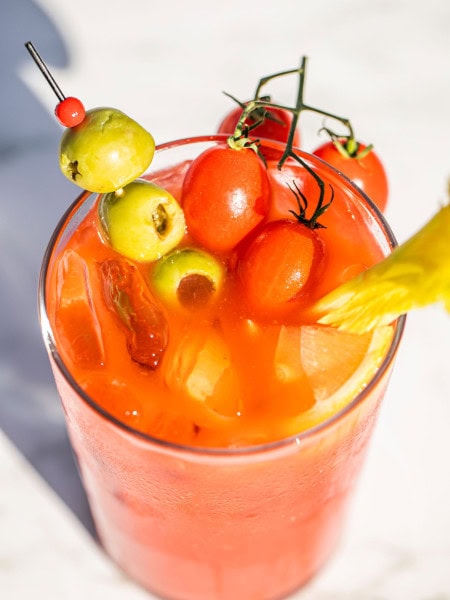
x: 290, y: 383
x: 201, y: 367
x: 76, y: 320
x: 288, y: 362
x: 127, y: 295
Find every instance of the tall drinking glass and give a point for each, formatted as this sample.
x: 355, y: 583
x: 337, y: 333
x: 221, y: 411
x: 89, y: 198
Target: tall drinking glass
x: 193, y: 523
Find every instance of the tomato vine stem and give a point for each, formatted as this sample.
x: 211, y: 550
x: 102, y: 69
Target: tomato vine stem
x: 263, y: 103
x: 347, y: 146
x: 310, y: 222
x: 260, y: 107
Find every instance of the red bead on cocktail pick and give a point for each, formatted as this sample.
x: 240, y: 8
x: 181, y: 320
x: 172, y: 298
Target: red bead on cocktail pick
x: 69, y: 111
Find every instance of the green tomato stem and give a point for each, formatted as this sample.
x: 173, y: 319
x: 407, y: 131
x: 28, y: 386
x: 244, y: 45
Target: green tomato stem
x: 260, y: 102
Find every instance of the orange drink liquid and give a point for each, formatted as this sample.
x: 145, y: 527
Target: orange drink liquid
x: 226, y: 472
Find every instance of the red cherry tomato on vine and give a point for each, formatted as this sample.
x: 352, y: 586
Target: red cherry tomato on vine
x: 226, y: 194
x: 367, y: 172
x: 278, y: 264
x: 275, y: 128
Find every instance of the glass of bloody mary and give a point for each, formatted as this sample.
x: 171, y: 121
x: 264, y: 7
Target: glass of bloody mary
x: 226, y: 473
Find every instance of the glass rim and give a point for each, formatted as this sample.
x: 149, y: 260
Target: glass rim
x: 164, y: 445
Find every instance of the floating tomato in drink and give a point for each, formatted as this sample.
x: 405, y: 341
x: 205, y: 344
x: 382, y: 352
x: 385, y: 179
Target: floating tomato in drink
x: 278, y: 264
x: 226, y: 194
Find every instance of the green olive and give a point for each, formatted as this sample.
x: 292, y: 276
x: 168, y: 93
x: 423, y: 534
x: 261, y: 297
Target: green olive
x: 188, y: 277
x: 106, y: 151
x: 142, y: 221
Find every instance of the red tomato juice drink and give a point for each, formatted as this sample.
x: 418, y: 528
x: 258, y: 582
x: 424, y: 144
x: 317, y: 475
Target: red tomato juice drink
x: 226, y: 472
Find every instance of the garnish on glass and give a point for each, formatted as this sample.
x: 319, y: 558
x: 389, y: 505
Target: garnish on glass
x: 266, y: 119
x: 416, y: 274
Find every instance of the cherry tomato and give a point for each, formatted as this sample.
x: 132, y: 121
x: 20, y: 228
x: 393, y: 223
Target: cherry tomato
x: 367, y: 172
x: 274, y: 127
x: 226, y: 194
x: 278, y: 264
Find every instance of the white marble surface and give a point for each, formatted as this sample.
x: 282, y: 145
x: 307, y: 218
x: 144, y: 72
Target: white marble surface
x: 383, y: 63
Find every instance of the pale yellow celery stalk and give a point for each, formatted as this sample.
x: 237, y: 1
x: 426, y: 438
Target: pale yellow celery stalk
x: 414, y: 275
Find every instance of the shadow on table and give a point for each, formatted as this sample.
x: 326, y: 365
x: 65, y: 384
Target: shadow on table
x: 34, y: 196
